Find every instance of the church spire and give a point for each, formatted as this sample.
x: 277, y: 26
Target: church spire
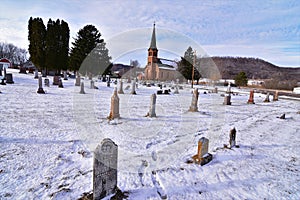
x: 153, y: 39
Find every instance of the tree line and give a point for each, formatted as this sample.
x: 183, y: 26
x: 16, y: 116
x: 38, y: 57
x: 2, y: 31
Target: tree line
x: 16, y: 55
x: 49, y: 48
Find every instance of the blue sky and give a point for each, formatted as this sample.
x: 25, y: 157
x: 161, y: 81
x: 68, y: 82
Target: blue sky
x: 263, y: 29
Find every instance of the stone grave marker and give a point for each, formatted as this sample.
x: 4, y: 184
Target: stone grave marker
x: 4, y: 73
x: 47, y: 82
x: 114, y: 106
x: 133, y: 87
x: 232, y: 136
x: 3, y: 82
x: 227, y: 99
x: 40, y: 89
x: 108, y: 83
x: 120, y: 91
x: 9, y: 78
x: 215, y: 90
x: 60, y: 83
x: 105, y: 168
x: 36, y: 74
x: 267, y: 99
x: 151, y: 112
x: 82, y: 88
x: 22, y: 70
x: 56, y: 80
x: 65, y: 75
x: 251, y: 97
x: 1, y: 68
x: 176, y: 90
x: 92, y: 84
x: 78, y: 80
x: 194, y: 104
x: 275, y: 96
x: 44, y: 73
x: 202, y: 157
x: 228, y: 88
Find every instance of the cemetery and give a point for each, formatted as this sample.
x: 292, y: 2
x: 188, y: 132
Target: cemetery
x: 90, y: 138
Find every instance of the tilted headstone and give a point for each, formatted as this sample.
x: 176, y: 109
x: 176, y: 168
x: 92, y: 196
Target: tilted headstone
x: 151, y: 112
x: 133, y: 88
x: 120, y: 91
x: 251, y: 97
x: 36, y: 74
x: 82, y: 88
x: 78, y: 80
x: 194, y: 104
x: 114, y: 106
x: 65, y: 75
x: 202, y: 157
x: 40, y: 89
x: 56, y: 80
x: 275, y: 96
x: 60, y: 83
x: 9, y: 78
x: 105, y: 169
x: 232, y: 136
x: 47, y: 82
x: 267, y: 99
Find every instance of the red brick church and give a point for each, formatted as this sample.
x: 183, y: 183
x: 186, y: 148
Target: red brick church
x: 156, y: 68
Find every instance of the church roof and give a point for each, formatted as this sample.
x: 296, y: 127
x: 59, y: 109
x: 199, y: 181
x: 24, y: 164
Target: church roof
x: 153, y: 39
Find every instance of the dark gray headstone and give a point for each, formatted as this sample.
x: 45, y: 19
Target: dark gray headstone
x: 40, y: 89
x: 82, y: 88
x: 60, y: 83
x: 47, y: 82
x: 78, y: 80
x: 227, y: 99
x: 56, y: 80
x: 105, y: 169
x: 9, y: 78
x: 232, y: 136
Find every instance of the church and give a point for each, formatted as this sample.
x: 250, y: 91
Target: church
x: 158, y: 69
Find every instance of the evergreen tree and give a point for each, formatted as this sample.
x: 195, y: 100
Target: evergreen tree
x: 87, y: 39
x: 241, y: 79
x: 64, y: 46
x: 36, y: 37
x: 51, y: 46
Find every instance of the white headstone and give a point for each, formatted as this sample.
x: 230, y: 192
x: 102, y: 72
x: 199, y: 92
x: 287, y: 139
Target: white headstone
x: 194, y: 104
x: 133, y: 88
x: 151, y: 112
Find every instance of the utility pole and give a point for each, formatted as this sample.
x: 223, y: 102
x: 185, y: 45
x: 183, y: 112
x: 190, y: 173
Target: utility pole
x: 193, y: 70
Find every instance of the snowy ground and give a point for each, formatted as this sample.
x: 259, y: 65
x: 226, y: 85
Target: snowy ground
x: 47, y: 143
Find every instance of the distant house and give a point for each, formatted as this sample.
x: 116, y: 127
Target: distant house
x: 5, y: 63
x: 119, y: 70
x: 158, y: 68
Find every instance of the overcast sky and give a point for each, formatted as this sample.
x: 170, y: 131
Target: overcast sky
x: 262, y: 29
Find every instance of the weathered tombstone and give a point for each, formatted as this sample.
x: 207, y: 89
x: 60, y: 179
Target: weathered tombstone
x: 56, y: 80
x: 92, y: 84
x: 267, y: 99
x: 114, y: 106
x: 9, y: 78
x: 4, y: 73
x: 40, y: 89
x: 47, y: 82
x: 228, y: 88
x: 251, y: 97
x: 78, y: 80
x: 202, y: 157
x: 1, y: 68
x: 82, y: 88
x: 194, y: 104
x: 133, y: 88
x: 108, y: 83
x: 166, y: 91
x: 151, y: 112
x: 121, y: 88
x: 227, y: 99
x: 36, y: 74
x: 176, y: 90
x: 216, y: 90
x: 22, y: 70
x: 44, y: 73
x: 60, y: 83
x: 65, y: 75
x: 232, y: 136
x: 159, y: 92
x: 275, y: 96
x: 105, y: 169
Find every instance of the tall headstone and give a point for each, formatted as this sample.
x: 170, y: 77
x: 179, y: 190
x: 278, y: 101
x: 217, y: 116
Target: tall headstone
x: 9, y: 78
x: 202, y: 157
x: 133, y: 88
x: 82, y: 88
x: 36, y: 74
x: 56, y: 80
x: 275, y: 96
x: 92, y: 84
x: 151, y: 112
x: 120, y: 91
x: 77, y: 80
x: 227, y: 100
x: 60, y: 83
x: 176, y: 90
x: 114, y: 106
x: 251, y: 97
x: 40, y: 89
x: 105, y: 169
x: 4, y: 73
x: 267, y: 99
x: 232, y: 136
x: 65, y: 75
x: 1, y: 68
x: 228, y: 89
x: 194, y: 104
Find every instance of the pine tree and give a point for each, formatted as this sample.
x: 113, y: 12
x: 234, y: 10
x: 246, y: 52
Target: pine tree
x: 241, y: 79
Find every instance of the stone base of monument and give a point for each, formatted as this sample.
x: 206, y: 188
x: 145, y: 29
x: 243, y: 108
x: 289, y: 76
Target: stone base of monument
x: 2, y: 82
x: 41, y: 91
x: 204, y: 160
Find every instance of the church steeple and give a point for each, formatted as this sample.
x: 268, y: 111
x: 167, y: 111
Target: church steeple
x: 153, y: 39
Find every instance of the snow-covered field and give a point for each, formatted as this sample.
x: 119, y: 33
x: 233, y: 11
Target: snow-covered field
x: 47, y: 142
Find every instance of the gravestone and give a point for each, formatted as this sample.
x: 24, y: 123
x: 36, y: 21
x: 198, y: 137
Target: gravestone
x: 215, y: 90
x: 22, y: 70
x: 65, y: 75
x: 151, y: 112
x: 4, y: 73
x: 251, y: 97
x: 1, y: 68
x: 44, y: 73
x: 159, y: 92
x: 40, y: 89
x: 105, y: 169
x: 77, y: 80
x: 176, y: 90
x: 114, y: 106
x: 108, y: 83
x: 228, y: 88
x: 60, y: 83
x: 47, y: 82
x: 180, y: 87
x: 36, y: 74
x: 92, y: 84
x: 275, y: 96
x: 9, y: 78
x: 133, y: 88
x: 56, y: 80
x: 232, y: 136
x: 267, y: 99
x: 227, y: 99
x: 82, y: 88
x: 3, y: 82
x: 194, y: 104
x: 202, y: 157
x: 166, y: 91
x: 121, y: 88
